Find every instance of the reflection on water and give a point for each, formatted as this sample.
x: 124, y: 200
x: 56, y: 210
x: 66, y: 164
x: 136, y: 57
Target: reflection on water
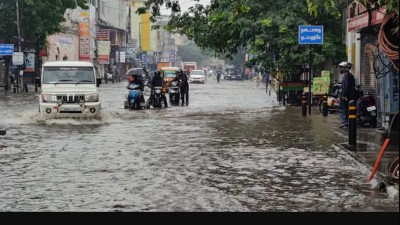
x: 232, y: 149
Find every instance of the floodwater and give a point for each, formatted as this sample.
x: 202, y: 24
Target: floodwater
x: 233, y: 148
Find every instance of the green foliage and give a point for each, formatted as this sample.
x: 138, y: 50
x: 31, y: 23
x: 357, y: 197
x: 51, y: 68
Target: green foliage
x: 191, y: 52
x: 38, y: 18
x: 266, y: 28
x: 316, y: 6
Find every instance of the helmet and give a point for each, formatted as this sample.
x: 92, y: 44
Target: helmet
x: 345, y: 64
x: 179, y: 72
x: 157, y: 73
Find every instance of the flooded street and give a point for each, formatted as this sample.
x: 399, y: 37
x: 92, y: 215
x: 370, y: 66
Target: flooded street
x: 233, y: 148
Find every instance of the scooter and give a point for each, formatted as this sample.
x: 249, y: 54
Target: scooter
x: 135, y: 98
x: 174, y: 93
x: 332, y: 104
x: 333, y: 99
x: 366, y: 111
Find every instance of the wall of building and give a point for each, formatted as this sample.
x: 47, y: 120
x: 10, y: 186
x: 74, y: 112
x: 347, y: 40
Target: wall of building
x: 62, y: 45
x: 113, y: 13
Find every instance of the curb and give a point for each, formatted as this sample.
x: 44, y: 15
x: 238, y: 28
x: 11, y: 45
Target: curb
x: 379, y: 182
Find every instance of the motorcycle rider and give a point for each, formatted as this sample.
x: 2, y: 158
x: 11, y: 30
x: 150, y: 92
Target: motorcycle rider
x: 137, y: 79
x: 183, y: 84
x: 347, y: 92
x: 157, y: 81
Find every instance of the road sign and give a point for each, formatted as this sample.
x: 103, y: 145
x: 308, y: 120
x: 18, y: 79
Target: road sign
x: 311, y: 35
x: 18, y: 58
x: 6, y: 49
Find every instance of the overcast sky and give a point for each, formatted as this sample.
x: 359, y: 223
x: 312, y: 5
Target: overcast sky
x: 185, y: 5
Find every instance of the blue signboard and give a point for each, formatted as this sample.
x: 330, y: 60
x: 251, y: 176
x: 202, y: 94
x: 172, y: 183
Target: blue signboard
x: 6, y: 49
x: 311, y: 35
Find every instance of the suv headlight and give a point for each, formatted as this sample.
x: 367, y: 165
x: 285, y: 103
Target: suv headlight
x: 48, y: 98
x: 92, y: 97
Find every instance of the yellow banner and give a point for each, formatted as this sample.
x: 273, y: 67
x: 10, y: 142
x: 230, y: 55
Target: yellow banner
x: 145, y: 32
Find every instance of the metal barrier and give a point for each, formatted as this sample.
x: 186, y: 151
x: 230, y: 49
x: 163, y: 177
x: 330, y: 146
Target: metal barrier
x: 352, y: 123
x: 324, y: 105
x: 304, y: 104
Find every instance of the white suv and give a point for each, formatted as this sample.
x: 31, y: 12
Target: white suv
x: 197, y: 76
x: 69, y: 90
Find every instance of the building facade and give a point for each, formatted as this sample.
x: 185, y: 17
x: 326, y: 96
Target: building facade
x: 372, y: 66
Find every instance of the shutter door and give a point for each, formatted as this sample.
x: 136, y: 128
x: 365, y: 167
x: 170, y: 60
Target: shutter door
x: 368, y: 53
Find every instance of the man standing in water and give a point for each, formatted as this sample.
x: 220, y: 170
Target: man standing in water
x: 347, y: 94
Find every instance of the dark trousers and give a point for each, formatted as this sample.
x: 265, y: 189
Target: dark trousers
x: 344, y: 110
x: 184, y: 90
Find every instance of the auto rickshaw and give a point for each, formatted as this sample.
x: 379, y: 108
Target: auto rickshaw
x: 168, y: 74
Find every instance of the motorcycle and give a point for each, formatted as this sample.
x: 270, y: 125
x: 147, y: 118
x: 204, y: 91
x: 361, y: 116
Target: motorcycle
x: 359, y: 92
x: 135, y: 98
x: 333, y: 99
x: 366, y: 111
x: 174, y: 93
x: 158, y: 97
x: 332, y: 104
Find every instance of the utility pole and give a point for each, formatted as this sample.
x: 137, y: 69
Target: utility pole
x: 19, y: 81
x: 309, y: 80
x: 140, y: 44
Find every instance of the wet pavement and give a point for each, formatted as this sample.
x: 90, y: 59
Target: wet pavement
x: 233, y: 148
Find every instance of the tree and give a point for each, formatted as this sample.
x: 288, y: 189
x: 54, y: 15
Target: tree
x: 191, y: 52
x: 388, y: 36
x: 315, y: 5
x: 38, y: 18
x: 265, y: 28
x: 237, y: 60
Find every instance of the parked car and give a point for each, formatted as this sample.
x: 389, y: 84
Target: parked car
x: 197, y: 76
x: 233, y: 75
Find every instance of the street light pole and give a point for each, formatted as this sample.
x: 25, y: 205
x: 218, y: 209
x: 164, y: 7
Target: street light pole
x: 18, y: 27
x: 19, y: 81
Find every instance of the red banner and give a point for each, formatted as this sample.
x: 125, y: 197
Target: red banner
x: 357, y: 22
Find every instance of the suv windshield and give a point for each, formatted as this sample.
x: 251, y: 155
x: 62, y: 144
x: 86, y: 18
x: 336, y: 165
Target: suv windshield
x: 54, y: 75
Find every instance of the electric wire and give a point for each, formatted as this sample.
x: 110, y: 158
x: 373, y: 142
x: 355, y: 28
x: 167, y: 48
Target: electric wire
x: 390, y: 49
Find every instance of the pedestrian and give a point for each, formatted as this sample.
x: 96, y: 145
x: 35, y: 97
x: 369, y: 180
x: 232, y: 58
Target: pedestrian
x: 184, y: 86
x: 347, y: 93
x: 266, y: 78
x: 218, y: 75
x: 257, y: 79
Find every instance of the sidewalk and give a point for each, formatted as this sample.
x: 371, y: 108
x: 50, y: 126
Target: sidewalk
x: 369, y: 143
x: 31, y: 89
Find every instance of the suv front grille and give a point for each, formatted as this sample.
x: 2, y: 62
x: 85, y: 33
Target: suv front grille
x: 71, y: 98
